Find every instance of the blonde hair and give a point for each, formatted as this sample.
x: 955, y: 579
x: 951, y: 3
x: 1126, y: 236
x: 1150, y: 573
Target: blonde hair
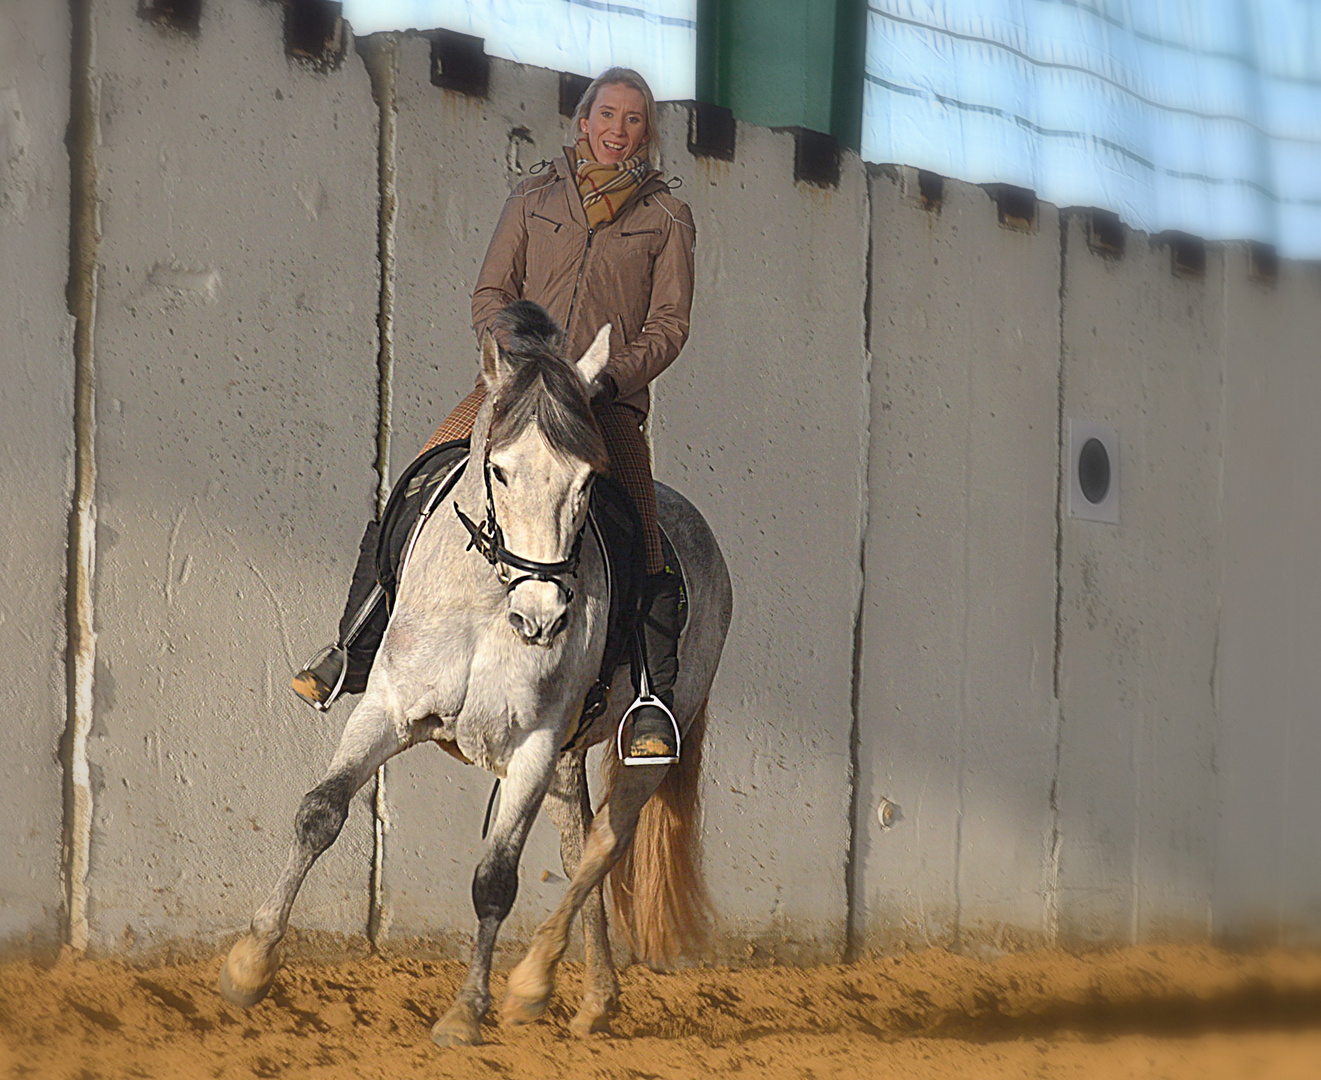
x: 619, y: 76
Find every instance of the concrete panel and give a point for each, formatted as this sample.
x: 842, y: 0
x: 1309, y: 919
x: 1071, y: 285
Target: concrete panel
x: 760, y: 422
x: 456, y: 160
x: 1268, y: 856
x: 956, y: 703
x: 236, y: 430
x: 36, y: 445
x: 1138, y: 623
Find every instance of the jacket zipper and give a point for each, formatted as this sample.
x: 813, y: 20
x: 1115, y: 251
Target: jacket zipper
x: 573, y: 300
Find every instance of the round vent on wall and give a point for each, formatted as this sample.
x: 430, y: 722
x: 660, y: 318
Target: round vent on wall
x: 1093, y: 472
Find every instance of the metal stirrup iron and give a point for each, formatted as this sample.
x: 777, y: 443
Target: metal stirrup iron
x: 646, y: 697
x: 376, y: 596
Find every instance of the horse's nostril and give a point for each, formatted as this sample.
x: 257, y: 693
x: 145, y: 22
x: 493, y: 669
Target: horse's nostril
x: 522, y: 627
x: 558, y: 627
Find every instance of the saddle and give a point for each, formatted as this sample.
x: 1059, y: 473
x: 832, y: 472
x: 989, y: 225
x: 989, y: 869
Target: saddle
x: 611, y: 516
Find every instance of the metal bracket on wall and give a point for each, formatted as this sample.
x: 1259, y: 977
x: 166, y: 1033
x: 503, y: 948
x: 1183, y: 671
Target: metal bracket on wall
x: 1105, y: 234
x: 1015, y: 206
x: 572, y: 88
x: 816, y: 157
x: 314, y: 33
x: 185, y: 15
x: 1187, y: 253
x: 1263, y: 262
x: 459, y: 63
x: 711, y: 131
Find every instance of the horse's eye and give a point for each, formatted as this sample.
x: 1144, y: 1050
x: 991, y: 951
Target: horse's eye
x: 499, y: 474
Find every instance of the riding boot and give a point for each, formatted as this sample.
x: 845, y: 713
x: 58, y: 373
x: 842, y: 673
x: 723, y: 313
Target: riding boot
x: 342, y: 668
x: 654, y: 738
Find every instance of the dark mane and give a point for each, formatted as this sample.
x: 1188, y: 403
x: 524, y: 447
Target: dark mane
x: 542, y: 387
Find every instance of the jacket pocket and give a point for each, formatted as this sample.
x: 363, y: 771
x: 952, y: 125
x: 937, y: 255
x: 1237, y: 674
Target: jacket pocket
x: 556, y: 225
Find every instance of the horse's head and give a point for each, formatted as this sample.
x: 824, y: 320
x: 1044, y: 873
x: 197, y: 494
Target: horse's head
x: 541, y: 447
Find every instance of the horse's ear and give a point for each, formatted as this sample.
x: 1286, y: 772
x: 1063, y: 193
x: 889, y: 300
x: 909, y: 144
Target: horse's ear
x: 596, y: 356
x: 491, y: 366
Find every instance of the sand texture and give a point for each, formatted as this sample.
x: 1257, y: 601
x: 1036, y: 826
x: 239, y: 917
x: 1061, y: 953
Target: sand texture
x: 1136, y: 1012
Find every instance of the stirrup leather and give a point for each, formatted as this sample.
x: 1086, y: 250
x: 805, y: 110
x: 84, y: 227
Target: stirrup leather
x: 646, y: 697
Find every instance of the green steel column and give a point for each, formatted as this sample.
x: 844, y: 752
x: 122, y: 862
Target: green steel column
x: 785, y: 63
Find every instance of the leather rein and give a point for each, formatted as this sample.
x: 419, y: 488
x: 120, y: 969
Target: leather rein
x: 489, y: 540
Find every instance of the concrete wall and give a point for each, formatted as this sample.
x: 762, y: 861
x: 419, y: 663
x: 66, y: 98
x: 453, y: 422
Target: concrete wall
x: 36, y: 446
x: 956, y: 703
x: 1267, y: 879
x: 1094, y: 733
x: 761, y: 423
x: 235, y: 356
x: 1137, y: 791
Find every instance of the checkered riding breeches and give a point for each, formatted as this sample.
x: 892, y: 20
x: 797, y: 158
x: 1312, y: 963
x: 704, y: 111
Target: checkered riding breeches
x: 630, y: 461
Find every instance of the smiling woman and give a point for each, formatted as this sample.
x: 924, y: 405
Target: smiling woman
x: 616, y: 125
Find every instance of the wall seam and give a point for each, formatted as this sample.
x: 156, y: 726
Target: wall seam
x: 80, y: 657
x: 1223, y: 435
x: 1050, y: 904
x: 853, y: 929
x: 380, y: 54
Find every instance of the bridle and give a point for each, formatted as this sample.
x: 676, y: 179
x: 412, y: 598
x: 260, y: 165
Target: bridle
x: 489, y: 540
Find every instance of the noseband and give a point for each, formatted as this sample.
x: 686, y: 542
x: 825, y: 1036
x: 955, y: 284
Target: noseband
x: 489, y: 540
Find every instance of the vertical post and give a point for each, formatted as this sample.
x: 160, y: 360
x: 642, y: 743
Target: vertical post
x: 381, y: 55
x: 80, y: 667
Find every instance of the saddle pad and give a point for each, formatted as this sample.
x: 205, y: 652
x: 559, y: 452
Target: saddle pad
x: 415, y: 488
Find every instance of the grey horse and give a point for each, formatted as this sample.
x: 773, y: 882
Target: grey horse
x: 494, y: 664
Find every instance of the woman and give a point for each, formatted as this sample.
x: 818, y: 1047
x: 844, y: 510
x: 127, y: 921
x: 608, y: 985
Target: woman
x: 596, y: 238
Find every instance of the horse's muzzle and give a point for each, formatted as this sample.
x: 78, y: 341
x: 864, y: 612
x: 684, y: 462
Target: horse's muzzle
x: 538, y: 612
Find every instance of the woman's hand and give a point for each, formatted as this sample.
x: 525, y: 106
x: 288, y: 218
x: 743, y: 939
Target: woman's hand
x: 604, y: 391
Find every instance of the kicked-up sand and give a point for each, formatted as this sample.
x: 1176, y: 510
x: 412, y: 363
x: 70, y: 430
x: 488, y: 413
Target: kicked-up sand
x: 1155, y: 1012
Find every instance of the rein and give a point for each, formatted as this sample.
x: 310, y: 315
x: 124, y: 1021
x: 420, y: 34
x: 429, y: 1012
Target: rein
x: 489, y: 540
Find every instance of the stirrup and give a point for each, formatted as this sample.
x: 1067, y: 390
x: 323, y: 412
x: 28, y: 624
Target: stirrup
x: 308, y: 672
x: 643, y: 699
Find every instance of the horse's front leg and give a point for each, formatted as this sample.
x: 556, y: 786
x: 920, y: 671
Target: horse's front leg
x: 495, y: 884
x: 531, y: 981
x: 570, y: 808
x: 370, y: 738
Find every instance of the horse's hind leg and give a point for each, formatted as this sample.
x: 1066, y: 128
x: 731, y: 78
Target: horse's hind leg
x: 495, y: 884
x: 531, y: 982
x: 570, y: 808
x: 369, y: 739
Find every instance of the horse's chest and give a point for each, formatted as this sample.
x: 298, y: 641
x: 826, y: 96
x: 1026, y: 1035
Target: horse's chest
x: 489, y: 695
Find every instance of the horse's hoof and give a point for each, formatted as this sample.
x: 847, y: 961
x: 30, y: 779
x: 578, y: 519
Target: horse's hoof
x: 458, y: 1027
x: 247, y: 973
x: 517, y: 1010
x: 592, y: 1019
x: 527, y: 993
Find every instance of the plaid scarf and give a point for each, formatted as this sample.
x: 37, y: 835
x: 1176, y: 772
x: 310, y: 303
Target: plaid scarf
x: 605, y: 189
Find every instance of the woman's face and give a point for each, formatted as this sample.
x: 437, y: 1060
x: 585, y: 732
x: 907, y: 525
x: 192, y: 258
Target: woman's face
x: 616, y: 126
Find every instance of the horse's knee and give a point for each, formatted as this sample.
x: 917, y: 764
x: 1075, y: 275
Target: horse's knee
x: 322, y: 813
x: 495, y: 884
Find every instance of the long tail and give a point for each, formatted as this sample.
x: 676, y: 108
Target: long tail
x: 657, y: 890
